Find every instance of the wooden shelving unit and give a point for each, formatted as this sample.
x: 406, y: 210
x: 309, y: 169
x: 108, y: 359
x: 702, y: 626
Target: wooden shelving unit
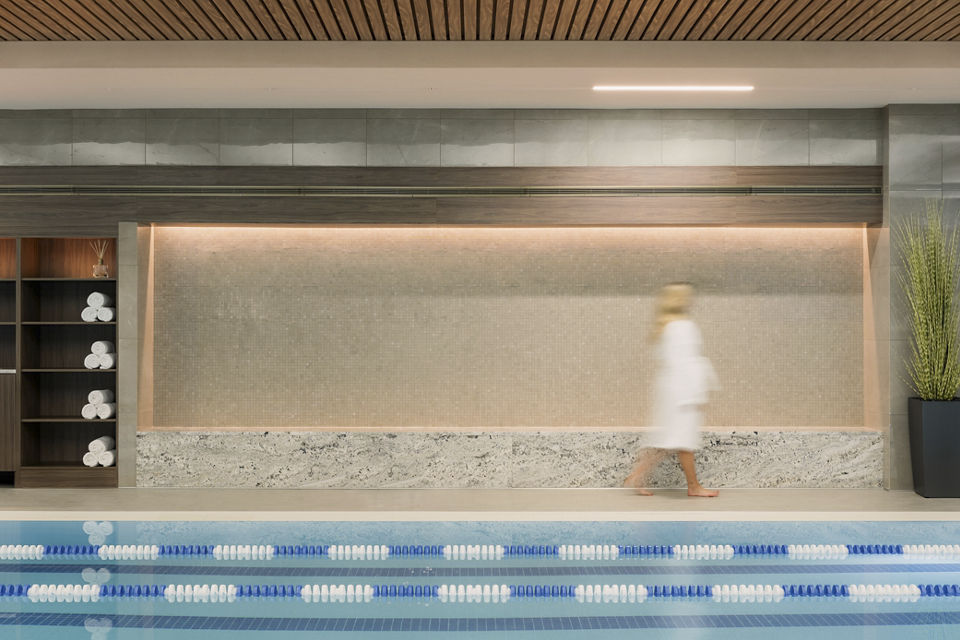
x: 44, y: 284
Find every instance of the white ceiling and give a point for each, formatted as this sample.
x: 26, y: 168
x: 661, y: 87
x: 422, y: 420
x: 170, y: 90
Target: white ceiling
x: 472, y: 74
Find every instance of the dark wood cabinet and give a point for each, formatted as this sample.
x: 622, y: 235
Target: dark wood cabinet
x: 44, y: 284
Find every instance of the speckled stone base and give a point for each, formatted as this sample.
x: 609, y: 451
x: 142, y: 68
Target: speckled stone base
x: 283, y: 459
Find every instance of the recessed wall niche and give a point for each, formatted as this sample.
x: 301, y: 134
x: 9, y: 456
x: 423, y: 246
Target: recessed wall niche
x: 473, y: 328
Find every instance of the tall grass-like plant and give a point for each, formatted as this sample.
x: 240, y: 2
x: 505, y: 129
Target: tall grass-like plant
x: 930, y: 281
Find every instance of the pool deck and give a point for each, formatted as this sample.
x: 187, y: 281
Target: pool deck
x: 470, y: 504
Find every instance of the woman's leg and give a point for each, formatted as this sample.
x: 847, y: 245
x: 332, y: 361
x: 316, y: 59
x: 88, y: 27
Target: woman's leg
x: 641, y: 469
x: 690, y: 471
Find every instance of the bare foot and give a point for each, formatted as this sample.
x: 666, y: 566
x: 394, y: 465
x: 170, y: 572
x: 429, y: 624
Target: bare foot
x: 700, y: 492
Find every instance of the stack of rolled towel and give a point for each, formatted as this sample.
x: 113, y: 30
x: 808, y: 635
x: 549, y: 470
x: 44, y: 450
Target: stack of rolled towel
x: 102, y: 356
x: 98, y: 308
x: 102, y: 452
x: 100, y: 404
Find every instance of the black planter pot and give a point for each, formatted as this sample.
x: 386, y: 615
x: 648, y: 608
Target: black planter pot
x: 935, y: 447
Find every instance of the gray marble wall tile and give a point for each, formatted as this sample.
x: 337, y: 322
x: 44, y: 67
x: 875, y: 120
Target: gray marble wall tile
x: 624, y: 142
x: 109, y: 113
x: 477, y: 114
x: 916, y: 149
x: 551, y: 143
x: 924, y: 110
x: 476, y: 143
x: 336, y: 114
x: 845, y: 114
x: 36, y: 141
x: 183, y: 141
x: 280, y: 114
x: 773, y: 142
x: 699, y: 142
x: 951, y: 164
x: 22, y: 114
x: 329, y: 141
x: 403, y: 142
x: 256, y: 141
x: 846, y: 142
x: 406, y: 114
x: 698, y: 114
x: 771, y: 114
x: 497, y: 460
x: 621, y: 114
x: 183, y: 113
x: 104, y: 141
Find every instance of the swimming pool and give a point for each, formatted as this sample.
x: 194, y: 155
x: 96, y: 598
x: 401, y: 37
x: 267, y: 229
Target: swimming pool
x: 186, y: 580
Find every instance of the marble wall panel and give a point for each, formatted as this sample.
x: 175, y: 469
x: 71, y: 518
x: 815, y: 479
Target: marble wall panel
x: 279, y: 459
x: 109, y: 141
x: 330, y: 141
x: 778, y: 142
x: 699, y: 142
x: 628, y: 142
x: 256, y: 140
x: 474, y: 142
x: 183, y: 141
x: 551, y: 142
x: 35, y: 141
x: 845, y: 142
x: 403, y: 141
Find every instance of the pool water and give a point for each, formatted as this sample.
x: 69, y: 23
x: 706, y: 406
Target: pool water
x: 100, y: 580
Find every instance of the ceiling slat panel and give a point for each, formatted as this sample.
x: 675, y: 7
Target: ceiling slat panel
x: 609, y: 24
x: 855, y: 19
x: 438, y: 19
x: 378, y: 25
x: 942, y: 15
x: 407, y: 21
x: 280, y: 18
x: 785, y: 19
x: 391, y: 19
x: 518, y: 18
x: 744, y: 16
x: 501, y: 19
x: 69, y: 12
x: 61, y: 27
x: 218, y: 16
x: 454, y: 20
x: 678, y: 15
x: 642, y: 24
x: 534, y: 16
x: 247, y: 27
x: 723, y: 18
x: 329, y: 21
x: 774, y: 14
x: 918, y: 14
x: 9, y: 34
x: 208, y: 26
x: 421, y: 13
x: 155, y: 19
x: 950, y: 30
x: 485, y: 21
x: 160, y: 9
x: 344, y: 21
x: 759, y: 20
x: 565, y: 19
x: 658, y: 19
x: 548, y: 20
x: 139, y: 29
x: 313, y: 20
x: 184, y: 18
x: 359, y: 19
x: 596, y: 19
x: 40, y: 26
x: 839, y: 11
x: 697, y: 12
x: 292, y: 12
x: 470, y: 21
x: 580, y: 18
x: 10, y: 16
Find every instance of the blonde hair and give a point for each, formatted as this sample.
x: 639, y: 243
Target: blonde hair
x: 673, y: 303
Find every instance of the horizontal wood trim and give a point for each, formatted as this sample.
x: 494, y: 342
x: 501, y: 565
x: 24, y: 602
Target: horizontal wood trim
x: 65, y: 477
x: 445, y: 176
x: 93, y: 215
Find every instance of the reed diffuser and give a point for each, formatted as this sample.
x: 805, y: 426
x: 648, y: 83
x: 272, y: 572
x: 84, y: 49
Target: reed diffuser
x: 100, y: 248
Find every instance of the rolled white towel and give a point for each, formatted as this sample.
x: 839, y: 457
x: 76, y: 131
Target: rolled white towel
x: 97, y: 300
x: 89, y: 411
x: 92, y: 361
x: 100, y: 396
x: 101, y: 444
x: 108, y: 458
x: 106, y: 314
x: 91, y: 459
x: 107, y: 410
x: 107, y: 360
x: 101, y: 347
x: 89, y: 314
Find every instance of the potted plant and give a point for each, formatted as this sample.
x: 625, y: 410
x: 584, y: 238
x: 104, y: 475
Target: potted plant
x: 930, y: 279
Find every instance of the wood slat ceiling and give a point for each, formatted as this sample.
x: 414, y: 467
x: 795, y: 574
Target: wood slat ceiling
x: 781, y: 20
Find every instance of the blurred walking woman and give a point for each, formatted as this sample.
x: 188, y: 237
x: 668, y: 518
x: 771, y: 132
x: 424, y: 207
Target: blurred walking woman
x: 683, y: 381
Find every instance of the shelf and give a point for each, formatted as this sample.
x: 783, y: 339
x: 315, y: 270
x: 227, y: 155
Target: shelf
x: 65, y: 474
x: 80, y: 420
x: 64, y: 323
x: 68, y: 279
x: 68, y: 370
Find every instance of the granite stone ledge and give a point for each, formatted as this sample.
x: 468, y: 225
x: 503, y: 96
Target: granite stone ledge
x: 350, y: 460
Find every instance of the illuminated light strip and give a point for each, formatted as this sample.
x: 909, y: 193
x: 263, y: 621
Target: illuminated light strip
x: 668, y: 87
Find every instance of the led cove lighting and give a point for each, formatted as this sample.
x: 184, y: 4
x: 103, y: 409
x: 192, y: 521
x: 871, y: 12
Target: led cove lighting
x: 627, y: 87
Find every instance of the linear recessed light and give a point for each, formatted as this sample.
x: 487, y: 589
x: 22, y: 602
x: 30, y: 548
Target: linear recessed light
x: 678, y: 87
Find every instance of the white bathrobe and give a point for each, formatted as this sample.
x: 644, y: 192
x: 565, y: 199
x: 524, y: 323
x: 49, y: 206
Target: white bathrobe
x: 683, y: 382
